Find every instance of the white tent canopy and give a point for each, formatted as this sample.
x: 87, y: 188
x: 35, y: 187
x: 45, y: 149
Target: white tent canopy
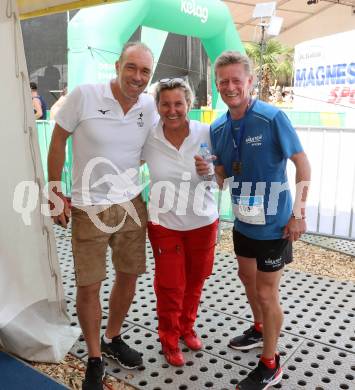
x: 32, y: 8
x: 301, y: 21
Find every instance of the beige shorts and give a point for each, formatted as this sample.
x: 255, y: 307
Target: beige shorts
x: 90, y: 242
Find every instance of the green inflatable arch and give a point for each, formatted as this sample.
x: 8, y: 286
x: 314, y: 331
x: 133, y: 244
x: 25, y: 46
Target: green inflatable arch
x: 96, y: 35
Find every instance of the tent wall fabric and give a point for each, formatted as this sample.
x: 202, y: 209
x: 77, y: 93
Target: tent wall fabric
x: 33, y: 320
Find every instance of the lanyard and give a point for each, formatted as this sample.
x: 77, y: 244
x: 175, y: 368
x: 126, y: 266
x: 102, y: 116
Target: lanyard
x: 238, y: 136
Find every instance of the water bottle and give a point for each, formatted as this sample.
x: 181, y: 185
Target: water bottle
x: 205, y: 153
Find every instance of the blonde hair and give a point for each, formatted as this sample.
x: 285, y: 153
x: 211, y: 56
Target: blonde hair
x: 233, y: 57
x: 174, y: 83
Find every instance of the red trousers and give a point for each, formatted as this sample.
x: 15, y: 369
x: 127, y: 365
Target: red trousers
x: 183, y: 260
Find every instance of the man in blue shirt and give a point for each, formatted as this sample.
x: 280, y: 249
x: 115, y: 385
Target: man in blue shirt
x: 252, y: 143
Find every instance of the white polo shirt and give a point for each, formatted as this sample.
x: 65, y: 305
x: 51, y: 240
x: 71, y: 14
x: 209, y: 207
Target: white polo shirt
x: 179, y: 199
x: 107, y: 144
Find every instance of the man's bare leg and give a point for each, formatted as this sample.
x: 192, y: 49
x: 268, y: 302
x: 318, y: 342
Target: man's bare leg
x: 89, y: 313
x: 121, y: 297
x: 247, y: 274
x: 268, y: 299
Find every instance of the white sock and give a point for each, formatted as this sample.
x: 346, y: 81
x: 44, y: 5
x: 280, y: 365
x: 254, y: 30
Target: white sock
x: 106, y: 340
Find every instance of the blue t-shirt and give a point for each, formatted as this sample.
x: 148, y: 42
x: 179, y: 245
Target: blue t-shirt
x: 268, y: 140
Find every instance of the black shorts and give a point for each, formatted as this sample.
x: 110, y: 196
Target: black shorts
x: 270, y: 255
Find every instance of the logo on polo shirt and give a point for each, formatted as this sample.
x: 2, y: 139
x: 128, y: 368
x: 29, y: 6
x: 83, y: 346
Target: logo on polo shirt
x: 140, y: 122
x: 254, y: 141
x: 103, y: 112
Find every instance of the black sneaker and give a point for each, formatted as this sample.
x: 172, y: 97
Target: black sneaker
x: 251, y: 338
x: 262, y: 377
x: 120, y: 351
x: 95, y: 372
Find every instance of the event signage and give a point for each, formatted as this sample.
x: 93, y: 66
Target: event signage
x: 324, y: 77
x: 190, y: 7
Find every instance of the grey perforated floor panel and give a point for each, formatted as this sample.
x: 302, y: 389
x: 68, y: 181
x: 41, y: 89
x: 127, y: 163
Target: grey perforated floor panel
x: 335, y: 244
x: 317, y: 344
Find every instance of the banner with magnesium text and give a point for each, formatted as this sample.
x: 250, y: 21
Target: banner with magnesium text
x: 324, y: 75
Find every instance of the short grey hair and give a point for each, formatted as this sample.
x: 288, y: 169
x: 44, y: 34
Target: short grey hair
x: 174, y: 83
x: 137, y: 44
x: 233, y: 57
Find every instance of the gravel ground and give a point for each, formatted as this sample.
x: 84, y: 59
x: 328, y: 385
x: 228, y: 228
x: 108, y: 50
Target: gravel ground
x: 307, y: 258
x: 71, y: 372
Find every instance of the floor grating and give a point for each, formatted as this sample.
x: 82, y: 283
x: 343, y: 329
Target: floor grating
x: 317, y: 344
x: 336, y: 244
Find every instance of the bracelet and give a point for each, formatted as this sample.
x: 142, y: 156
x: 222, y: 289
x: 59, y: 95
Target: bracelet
x: 298, y: 217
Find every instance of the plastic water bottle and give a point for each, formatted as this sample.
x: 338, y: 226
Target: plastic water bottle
x: 205, y: 153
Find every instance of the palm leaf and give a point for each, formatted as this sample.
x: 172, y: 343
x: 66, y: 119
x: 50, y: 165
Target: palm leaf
x: 277, y: 62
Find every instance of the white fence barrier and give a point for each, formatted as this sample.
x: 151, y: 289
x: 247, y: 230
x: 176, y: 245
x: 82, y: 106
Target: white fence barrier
x: 331, y: 200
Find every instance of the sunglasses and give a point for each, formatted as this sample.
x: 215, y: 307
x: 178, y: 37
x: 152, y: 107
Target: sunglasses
x: 172, y: 82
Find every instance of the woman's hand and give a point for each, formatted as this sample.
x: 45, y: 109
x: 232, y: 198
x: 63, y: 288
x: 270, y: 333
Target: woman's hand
x: 203, y: 166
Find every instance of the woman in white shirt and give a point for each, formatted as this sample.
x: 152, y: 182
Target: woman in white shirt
x: 183, y: 217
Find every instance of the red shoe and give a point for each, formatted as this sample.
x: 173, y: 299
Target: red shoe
x: 174, y: 356
x: 192, y: 341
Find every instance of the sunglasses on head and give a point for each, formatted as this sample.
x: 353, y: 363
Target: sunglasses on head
x: 171, y: 82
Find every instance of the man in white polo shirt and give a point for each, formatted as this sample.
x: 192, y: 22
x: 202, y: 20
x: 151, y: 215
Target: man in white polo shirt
x: 109, y: 124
